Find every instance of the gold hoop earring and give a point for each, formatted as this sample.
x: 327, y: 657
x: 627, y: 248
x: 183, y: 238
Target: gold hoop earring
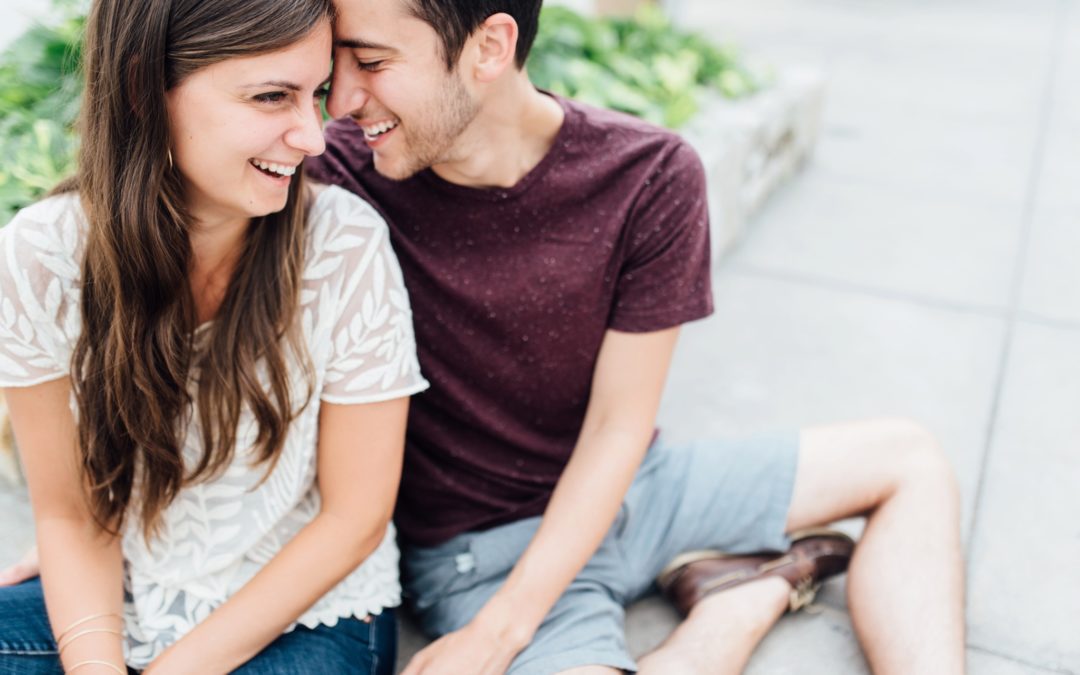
x: 168, y: 155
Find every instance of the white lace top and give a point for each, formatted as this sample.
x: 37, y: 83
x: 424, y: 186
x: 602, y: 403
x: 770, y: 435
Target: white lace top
x: 356, y: 319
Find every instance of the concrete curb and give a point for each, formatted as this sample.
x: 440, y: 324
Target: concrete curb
x: 751, y: 146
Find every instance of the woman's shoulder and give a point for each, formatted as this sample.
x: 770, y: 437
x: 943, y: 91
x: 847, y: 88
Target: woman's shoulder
x: 341, y: 228
x: 39, y: 290
x: 331, y: 200
x: 52, y: 210
x: 46, y: 238
x: 333, y: 206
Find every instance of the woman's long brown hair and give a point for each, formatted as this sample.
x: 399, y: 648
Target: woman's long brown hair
x: 136, y: 356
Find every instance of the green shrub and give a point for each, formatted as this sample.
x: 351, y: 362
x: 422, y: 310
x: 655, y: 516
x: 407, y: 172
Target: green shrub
x: 40, y: 88
x: 643, y: 66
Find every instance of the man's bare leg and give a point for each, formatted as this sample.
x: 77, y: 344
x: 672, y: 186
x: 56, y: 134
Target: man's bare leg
x: 721, y: 631
x: 905, y: 582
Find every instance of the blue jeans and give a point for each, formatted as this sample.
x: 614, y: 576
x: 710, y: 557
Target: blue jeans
x: 352, y: 646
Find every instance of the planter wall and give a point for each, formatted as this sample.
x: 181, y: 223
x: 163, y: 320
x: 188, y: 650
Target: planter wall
x: 750, y: 146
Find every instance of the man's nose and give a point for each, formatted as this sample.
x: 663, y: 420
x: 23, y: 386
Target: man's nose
x: 348, y: 93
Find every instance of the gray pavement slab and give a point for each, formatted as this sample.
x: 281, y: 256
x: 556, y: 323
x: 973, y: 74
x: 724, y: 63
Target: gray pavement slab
x: 926, y: 151
x: 1051, y: 285
x: 810, y: 642
x: 885, y: 238
x: 985, y: 663
x: 1060, y: 163
x: 1024, y: 598
x: 781, y: 354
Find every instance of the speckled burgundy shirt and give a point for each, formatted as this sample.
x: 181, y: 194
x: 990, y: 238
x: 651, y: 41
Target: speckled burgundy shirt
x: 512, y: 291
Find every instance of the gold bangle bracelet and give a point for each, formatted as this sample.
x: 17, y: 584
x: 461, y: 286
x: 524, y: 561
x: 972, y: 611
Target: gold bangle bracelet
x: 97, y: 662
x: 60, y: 648
x: 85, y: 619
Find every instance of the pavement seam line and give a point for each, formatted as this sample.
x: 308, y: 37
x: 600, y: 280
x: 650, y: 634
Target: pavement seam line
x: 1020, y: 265
x: 818, y: 282
x: 877, y: 293
x: 1018, y: 661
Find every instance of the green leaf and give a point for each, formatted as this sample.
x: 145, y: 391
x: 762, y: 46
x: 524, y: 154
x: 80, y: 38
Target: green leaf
x: 641, y: 65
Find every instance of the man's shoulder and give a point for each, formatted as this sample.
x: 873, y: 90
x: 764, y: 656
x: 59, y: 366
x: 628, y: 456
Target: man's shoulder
x: 620, y: 141
x: 601, y: 126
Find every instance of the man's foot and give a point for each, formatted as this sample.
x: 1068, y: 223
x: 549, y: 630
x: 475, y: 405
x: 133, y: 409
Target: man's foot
x: 815, y: 555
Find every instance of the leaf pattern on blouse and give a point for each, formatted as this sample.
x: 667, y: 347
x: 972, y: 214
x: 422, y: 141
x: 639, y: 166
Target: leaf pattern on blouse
x: 357, y: 324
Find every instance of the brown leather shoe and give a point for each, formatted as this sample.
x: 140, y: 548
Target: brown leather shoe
x: 815, y: 555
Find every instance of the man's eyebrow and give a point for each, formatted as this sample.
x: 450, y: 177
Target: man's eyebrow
x: 275, y: 83
x: 359, y: 43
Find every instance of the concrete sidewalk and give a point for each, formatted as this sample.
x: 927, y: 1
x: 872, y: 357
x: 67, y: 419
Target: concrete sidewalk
x: 922, y: 265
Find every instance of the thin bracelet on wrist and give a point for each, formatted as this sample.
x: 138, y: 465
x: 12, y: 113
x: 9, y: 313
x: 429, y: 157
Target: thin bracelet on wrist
x: 84, y: 633
x: 98, y: 662
x: 85, y: 619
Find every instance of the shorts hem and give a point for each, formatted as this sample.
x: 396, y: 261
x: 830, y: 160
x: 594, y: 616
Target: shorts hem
x: 780, y: 505
x: 557, y: 663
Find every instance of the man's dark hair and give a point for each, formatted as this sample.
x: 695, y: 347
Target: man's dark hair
x: 455, y: 20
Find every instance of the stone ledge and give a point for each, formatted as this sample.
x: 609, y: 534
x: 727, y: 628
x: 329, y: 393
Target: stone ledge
x: 751, y: 146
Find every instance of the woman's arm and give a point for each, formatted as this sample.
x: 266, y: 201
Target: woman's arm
x: 81, y: 566
x: 359, y: 468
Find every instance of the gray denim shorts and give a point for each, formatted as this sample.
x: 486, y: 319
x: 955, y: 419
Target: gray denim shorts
x: 731, y: 495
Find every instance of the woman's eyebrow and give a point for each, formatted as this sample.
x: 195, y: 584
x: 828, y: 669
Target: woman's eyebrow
x: 275, y: 83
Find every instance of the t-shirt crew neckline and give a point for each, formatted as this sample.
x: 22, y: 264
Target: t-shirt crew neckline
x: 570, y: 118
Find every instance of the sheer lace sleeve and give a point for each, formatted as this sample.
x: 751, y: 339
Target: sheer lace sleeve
x: 353, y: 283
x: 39, y: 269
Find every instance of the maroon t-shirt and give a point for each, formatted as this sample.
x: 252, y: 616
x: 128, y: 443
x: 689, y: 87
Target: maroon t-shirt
x: 512, y: 291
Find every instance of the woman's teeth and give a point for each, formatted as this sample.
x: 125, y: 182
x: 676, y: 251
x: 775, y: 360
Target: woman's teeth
x: 279, y: 169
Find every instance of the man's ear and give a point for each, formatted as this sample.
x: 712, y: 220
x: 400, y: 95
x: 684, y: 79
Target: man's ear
x: 495, y: 44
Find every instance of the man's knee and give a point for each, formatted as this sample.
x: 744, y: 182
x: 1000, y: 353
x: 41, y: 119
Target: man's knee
x: 917, y: 459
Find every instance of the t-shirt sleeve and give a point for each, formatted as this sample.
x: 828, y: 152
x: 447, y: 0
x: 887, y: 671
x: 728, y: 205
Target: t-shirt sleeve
x: 665, y: 280
x: 33, y: 304
x: 372, y: 348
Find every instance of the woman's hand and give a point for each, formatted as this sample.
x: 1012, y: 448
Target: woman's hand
x: 27, y: 568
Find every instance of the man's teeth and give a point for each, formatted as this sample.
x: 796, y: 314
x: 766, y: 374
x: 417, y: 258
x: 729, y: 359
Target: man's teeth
x: 379, y: 129
x: 280, y: 169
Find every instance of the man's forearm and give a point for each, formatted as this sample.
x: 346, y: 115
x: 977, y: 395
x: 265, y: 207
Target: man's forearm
x: 581, y: 511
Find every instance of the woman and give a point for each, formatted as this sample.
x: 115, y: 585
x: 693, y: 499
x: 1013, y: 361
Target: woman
x: 207, y: 365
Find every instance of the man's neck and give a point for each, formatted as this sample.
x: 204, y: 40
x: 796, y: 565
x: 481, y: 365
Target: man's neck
x: 512, y: 133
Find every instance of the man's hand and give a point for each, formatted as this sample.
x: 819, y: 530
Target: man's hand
x: 485, y: 646
x: 25, y: 569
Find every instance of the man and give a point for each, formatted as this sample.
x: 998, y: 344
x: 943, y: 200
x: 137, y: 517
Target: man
x: 551, y: 252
